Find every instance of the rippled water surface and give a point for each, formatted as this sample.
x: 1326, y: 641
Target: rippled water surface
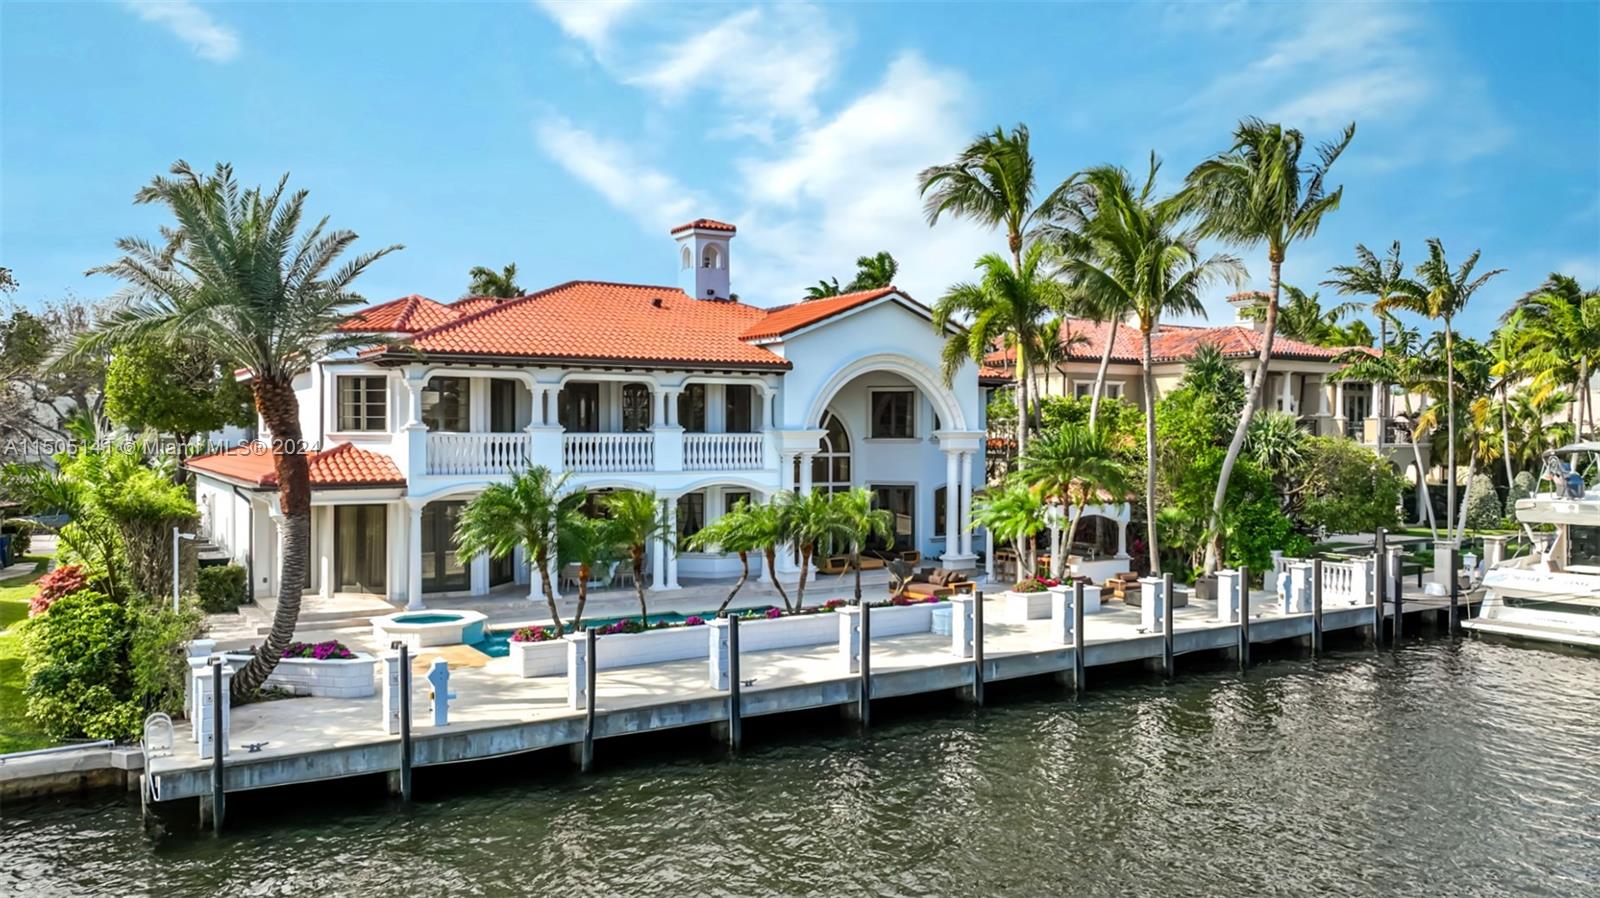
x: 1471, y: 769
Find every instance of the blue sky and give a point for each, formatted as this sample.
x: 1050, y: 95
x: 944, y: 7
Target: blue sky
x: 568, y: 137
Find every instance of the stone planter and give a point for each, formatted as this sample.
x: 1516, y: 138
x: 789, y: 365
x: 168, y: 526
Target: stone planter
x: 1205, y: 589
x: 1021, y: 607
x: 539, y: 659
x: 333, y: 678
x: 788, y: 632
x: 650, y: 647
x: 901, y: 620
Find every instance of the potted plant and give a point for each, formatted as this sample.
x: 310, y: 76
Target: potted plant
x: 1028, y: 600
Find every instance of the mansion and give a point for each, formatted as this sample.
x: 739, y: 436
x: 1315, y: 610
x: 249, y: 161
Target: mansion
x: 682, y: 391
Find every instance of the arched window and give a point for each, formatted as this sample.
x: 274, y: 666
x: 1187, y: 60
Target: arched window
x: 830, y: 467
x: 688, y: 258
x: 711, y: 258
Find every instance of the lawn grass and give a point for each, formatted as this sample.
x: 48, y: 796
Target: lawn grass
x: 15, y: 733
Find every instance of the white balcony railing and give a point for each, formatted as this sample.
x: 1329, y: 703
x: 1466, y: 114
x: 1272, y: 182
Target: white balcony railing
x: 722, y: 451
x: 608, y: 452
x: 476, y: 453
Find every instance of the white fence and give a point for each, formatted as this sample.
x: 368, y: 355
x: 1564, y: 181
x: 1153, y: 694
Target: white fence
x: 722, y: 451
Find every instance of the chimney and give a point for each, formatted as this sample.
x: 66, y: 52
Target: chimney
x: 703, y: 258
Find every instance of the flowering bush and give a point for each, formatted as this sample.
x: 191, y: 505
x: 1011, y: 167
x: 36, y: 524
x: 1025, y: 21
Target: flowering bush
x: 626, y: 625
x: 774, y: 613
x: 904, y: 599
x: 833, y: 604
x: 694, y: 620
x: 332, y: 650
x: 534, y: 634
x: 1035, y: 584
x: 62, y: 581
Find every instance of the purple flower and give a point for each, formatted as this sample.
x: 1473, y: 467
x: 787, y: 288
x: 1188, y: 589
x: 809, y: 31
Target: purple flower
x: 774, y: 613
x: 693, y: 620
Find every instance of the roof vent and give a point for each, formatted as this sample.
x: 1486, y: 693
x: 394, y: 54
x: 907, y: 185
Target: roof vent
x: 656, y: 301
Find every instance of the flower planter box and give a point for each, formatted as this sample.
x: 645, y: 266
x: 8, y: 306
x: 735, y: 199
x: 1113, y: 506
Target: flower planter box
x: 900, y: 620
x: 788, y: 632
x: 650, y: 647
x: 539, y: 659
x: 332, y: 678
x: 1021, y: 607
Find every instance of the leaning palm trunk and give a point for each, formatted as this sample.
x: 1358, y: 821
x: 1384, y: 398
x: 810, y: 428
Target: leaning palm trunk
x: 1505, y: 435
x: 280, y: 411
x: 583, y: 597
x: 542, y: 560
x: 1150, y: 454
x: 771, y: 554
x: 637, y: 554
x: 744, y: 574
x: 1022, y: 399
x: 806, y: 552
x: 1422, y: 474
x: 1252, y: 400
x: 1100, y: 374
x: 1450, y: 418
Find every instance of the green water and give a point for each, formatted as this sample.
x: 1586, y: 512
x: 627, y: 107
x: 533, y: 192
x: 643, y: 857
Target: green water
x: 1435, y: 769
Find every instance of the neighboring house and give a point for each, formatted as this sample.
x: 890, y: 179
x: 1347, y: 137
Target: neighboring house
x: 1301, y: 381
x: 681, y: 390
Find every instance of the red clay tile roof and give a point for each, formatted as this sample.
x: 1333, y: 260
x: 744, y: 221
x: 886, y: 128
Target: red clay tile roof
x: 342, y: 465
x: 602, y: 322
x: 469, y: 304
x: 787, y: 319
x: 705, y: 224
x: 408, y: 314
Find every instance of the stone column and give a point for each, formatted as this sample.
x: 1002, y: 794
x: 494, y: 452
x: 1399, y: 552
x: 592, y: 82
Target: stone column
x: 1228, y: 597
x: 1340, y: 421
x: 964, y: 511
x: 805, y: 473
x: 952, y: 491
x: 1286, y: 394
x: 1152, y: 608
x: 850, y: 638
x: 577, y: 670
x: 963, y: 626
x: 672, y: 543
x: 413, y: 557
x: 658, y: 564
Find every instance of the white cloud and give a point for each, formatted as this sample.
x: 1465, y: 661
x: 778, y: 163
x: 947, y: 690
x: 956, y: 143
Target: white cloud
x: 191, y: 24
x: 653, y: 198
x: 590, y: 21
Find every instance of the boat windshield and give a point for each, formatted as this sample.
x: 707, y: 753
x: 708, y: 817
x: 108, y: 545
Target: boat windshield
x: 1572, y: 471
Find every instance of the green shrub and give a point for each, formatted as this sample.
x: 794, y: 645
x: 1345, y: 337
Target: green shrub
x: 222, y: 589
x: 74, y: 661
x: 1483, y: 504
x: 1521, y: 488
x: 157, y: 655
x: 1346, y: 487
x: 21, y: 537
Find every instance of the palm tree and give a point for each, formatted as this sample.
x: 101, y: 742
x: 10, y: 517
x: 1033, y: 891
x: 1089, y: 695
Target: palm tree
x: 1396, y: 363
x: 528, y: 512
x: 583, y: 541
x: 1304, y: 318
x: 1259, y: 191
x: 768, y: 525
x: 813, y: 522
x: 1564, y: 324
x: 1440, y: 293
x: 1132, y: 256
x: 1013, y: 513
x: 992, y: 183
x: 1507, y: 347
x: 874, y: 272
x: 238, y: 279
x: 485, y: 281
x: 1373, y: 277
x: 634, y: 519
x: 824, y: 289
x: 1003, y: 307
x: 1072, y: 465
x: 736, y: 531
x: 1057, y: 342
x: 1458, y: 374
x: 862, y: 523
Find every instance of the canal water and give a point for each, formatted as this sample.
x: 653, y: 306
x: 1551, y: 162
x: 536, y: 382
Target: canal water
x: 1435, y: 769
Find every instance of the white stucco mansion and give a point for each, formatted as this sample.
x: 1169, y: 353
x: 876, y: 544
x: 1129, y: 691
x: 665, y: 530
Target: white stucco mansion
x: 684, y: 391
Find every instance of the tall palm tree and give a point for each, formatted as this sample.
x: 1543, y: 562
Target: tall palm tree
x: 1002, y: 308
x: 238, y: 278
x: 1260, y: 191
x: 1303, y: 318
x: 1395, y: 363
x: 1372, y: 277
x: 861, y: 522
x: 528, y: 512
x: 1507, y: 348
x: 1458, y: 380
x: 1076, y: 209
x: 768, y: 525
x: 1057, y: 342
x: 634, y: 519
x: 1072, y: 465
x: 1441, y: 293
x: 1564, y: 324
x: 814, y: 524
x: 485, y: 281
x: 824, y: 289
x: 736, y: 531
x: 874, y: 272
x: 992, y: 182
x: 1133, y: 256
x: 583, y: 541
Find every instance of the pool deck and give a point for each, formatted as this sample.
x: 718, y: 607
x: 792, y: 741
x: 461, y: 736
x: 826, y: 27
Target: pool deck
x: 497, y: 712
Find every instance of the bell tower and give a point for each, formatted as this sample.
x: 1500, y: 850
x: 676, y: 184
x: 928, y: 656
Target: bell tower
x: 703, y: 257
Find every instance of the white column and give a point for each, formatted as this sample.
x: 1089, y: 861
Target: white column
x: 1122, y: 538
x: 952, y: 492
x: 988, y: 554
x: 965, y: 510
x: 786, y: 471
x: 805, y: 473
x: 1286, y: 394
x: 1322, y: 396
x: 658, y: 564
x: 413, y: 557
x: 1338, y: 406
x: 672, y: 543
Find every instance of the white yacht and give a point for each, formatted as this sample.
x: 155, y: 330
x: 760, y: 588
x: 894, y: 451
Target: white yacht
x: 1552, y: 593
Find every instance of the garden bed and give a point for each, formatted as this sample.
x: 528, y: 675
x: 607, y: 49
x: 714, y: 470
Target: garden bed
x: 352, y: 677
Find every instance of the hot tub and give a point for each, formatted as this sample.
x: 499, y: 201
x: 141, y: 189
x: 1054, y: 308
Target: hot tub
x: 420, y: 629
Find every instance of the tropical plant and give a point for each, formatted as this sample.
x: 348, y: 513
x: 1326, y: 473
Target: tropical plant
x: 635, y: 519
x: 1441, y: 293
x: 738, y: 531
x: 176, y: 390
x: 861, y: 523
x: 1274, y: 442
x: 1396, y: 363
x: 1260, y: 191
x: 239, y: 279
x: 1343, y: 487
x: 1457, y: 381
x: 1130, y: 255
x: 528, y: 512
x: 768, y: 525
x: 992, y: 182
x: 1003, y: 307
x: 1372, y: 277
x: 824, y: 289
x: 1563, y: 321
x: 1303, y: 318
x: 812, y: 522
x: 1073, y: 465
x: 583, y: 541
x: 874, y: 272
x: 485, y: 281
x: 1014, y: 513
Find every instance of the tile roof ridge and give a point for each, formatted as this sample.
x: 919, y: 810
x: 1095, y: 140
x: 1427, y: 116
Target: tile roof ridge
x: 490, y: 310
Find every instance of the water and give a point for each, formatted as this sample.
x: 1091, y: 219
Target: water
x: 1438, y: 770
x: 497, y: 643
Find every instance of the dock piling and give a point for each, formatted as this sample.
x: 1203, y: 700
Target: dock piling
x: 977, y: 648
x: 1077, y: 637
x: 1455, y: 588
x: 586, y: 759
x: 1166, y: 625
x: 1244, y: 617
x: 1380, y: 584
x: 865, y: 697
x: 735, y: 712
x: 405, y: 721
x: 219, y: 797
x: 1316, y: 606
x: 1398, y: 569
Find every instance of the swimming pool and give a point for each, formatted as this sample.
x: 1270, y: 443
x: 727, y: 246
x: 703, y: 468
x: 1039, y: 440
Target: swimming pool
x: 497, y: 643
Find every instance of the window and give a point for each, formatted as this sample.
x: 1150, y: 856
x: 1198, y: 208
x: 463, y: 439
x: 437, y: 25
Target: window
x: 692, y: 408
x: 939, y: 497
x: 635, y: 408
x: 1085, y: 390
x: 711, y: 258
x: 691, y: 516
x: 893, y: 414
x: 363, y: 403
x: 738, y: 408
x: 732, y: 498
x: 360, y: 541
x: 901, y: 502
x: 445, y: 401
x: 830, y: 467
x: 578, y: 407
x: 1583, y: 546
x: 443, y: 569
x: 502, y: 405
